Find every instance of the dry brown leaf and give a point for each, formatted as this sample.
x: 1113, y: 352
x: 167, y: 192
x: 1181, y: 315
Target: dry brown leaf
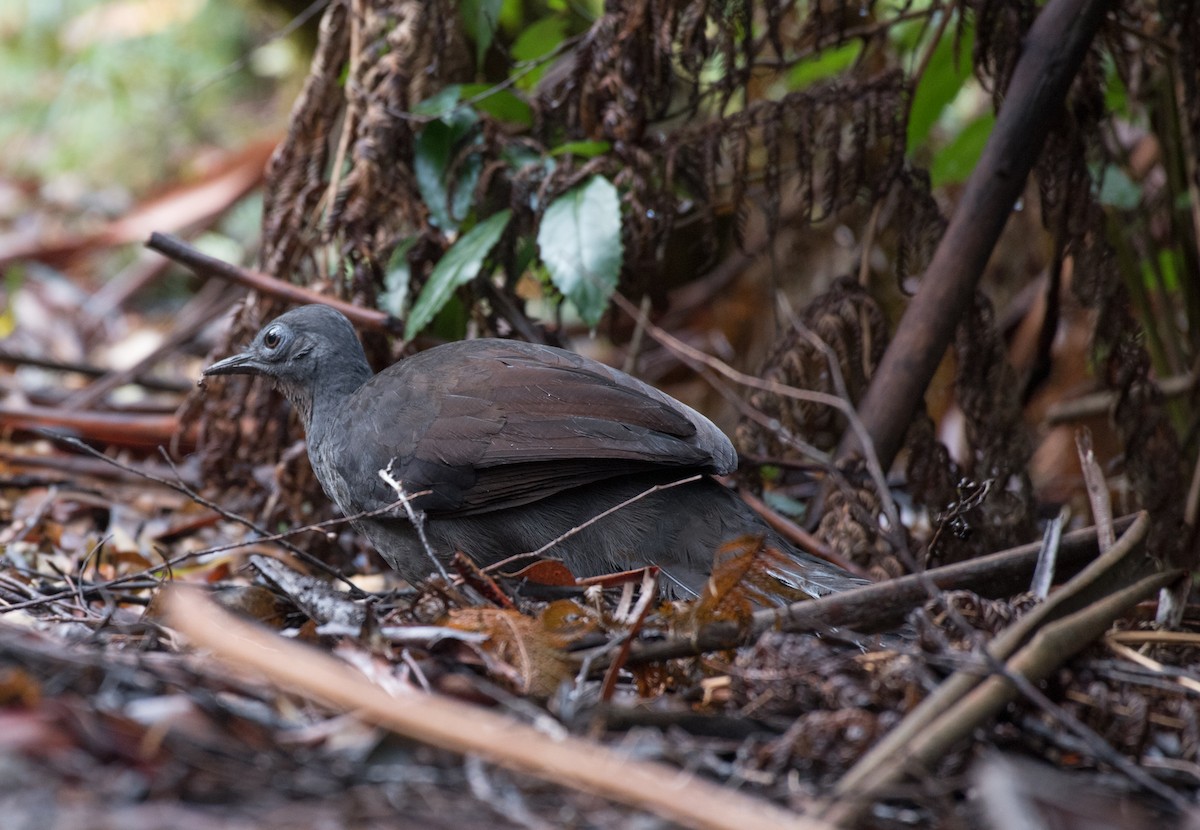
x: 520, y: 651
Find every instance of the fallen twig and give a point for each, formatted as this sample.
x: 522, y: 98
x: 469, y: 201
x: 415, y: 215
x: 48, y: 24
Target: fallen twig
x: 460, y: 727
x: 1040, y: 641
x: 1097, y: 489
x: 207, y: 266
x: 882, y: 605
x: 10, y: 357
x: 797, y: 535
x: 1056, y: 643
x: 202, y: 309
x: 126, y: 429
x: 1096, y: 404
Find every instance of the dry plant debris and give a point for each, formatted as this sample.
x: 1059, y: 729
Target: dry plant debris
x: 524, y: 699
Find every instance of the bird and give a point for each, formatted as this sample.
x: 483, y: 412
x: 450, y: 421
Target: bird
x: 505, y: 446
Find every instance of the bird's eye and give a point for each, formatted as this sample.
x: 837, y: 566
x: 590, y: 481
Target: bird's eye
x: 272, y: 338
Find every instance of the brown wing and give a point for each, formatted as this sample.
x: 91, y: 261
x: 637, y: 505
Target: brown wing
x: 489, y: 424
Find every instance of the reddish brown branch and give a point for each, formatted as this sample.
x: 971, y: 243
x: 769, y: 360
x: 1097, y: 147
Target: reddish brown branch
x: 206, y: 266
x: 1053, y: 50
x: 116, y: 428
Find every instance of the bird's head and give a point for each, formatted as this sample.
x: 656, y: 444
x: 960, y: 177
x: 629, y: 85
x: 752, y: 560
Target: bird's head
x: 308, y: 352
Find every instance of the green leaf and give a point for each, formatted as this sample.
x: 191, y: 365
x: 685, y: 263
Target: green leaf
x: 480, y: 19
x: 440, y: 104
x: 948, y: 69
x: 957, y: 159
x: 512, y: 15
x: 1169, y: 268
x: 396, y: 280
x: 501, y: 104
x: 458, y: 266
x: 451, y: 322
x: 906, y: 35
x: 526, y: 254
x: 14, y: 278
x: 584, y: 149
x: 537, y: 41
x: 580, y: 241
x: 1116, y: 96
x: 788, y: 506
x: 824, y: 64
x: 436, y: 147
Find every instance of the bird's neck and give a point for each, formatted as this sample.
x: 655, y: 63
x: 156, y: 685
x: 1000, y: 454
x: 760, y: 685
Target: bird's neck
x: 319, y: 402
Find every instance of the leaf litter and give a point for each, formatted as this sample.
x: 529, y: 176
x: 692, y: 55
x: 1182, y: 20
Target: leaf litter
x: 110, y: 711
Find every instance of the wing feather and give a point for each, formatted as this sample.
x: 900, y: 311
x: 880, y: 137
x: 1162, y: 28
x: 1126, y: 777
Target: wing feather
x: 490, y: 424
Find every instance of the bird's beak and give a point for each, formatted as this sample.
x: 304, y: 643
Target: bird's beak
x: 239, y: 364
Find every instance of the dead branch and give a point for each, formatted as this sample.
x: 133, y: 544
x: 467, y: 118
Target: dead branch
x: 1083, y: 601
x: 917, y: 747
x: 559, y: 758
x: 207, y: 266
x: 9, y: 357
x: 880, y: 606
x: 1052, y: 52
x: 126, y: 429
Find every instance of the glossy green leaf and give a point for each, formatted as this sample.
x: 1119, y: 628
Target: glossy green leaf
x: 1116, y: 96
x: 538, y: 41
x: 450, y: 323
x: 957, y: 159
x: 526, y: 254
x: 502, y: 104
x: 14, y: 278
x: 580, y: 244
x: 1118, y: 190
x: 785, y: 504
x: 458, y: 266
x: 438, y: 144
x: 906, y: 35
x: 512, y: 15
x: 441, y: 104
x: 1169, y: 269
x: 517, y: 157
x: 480, y: 19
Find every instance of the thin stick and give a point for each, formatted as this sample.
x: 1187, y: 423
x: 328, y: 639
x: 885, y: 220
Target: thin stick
x: 517, y: 557
x: 695, y: 356
x: 1051, y: 53
x: 1043, y: 574
x: 417, y: 519
x: 181, y: 487
x: 1097, y: 490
